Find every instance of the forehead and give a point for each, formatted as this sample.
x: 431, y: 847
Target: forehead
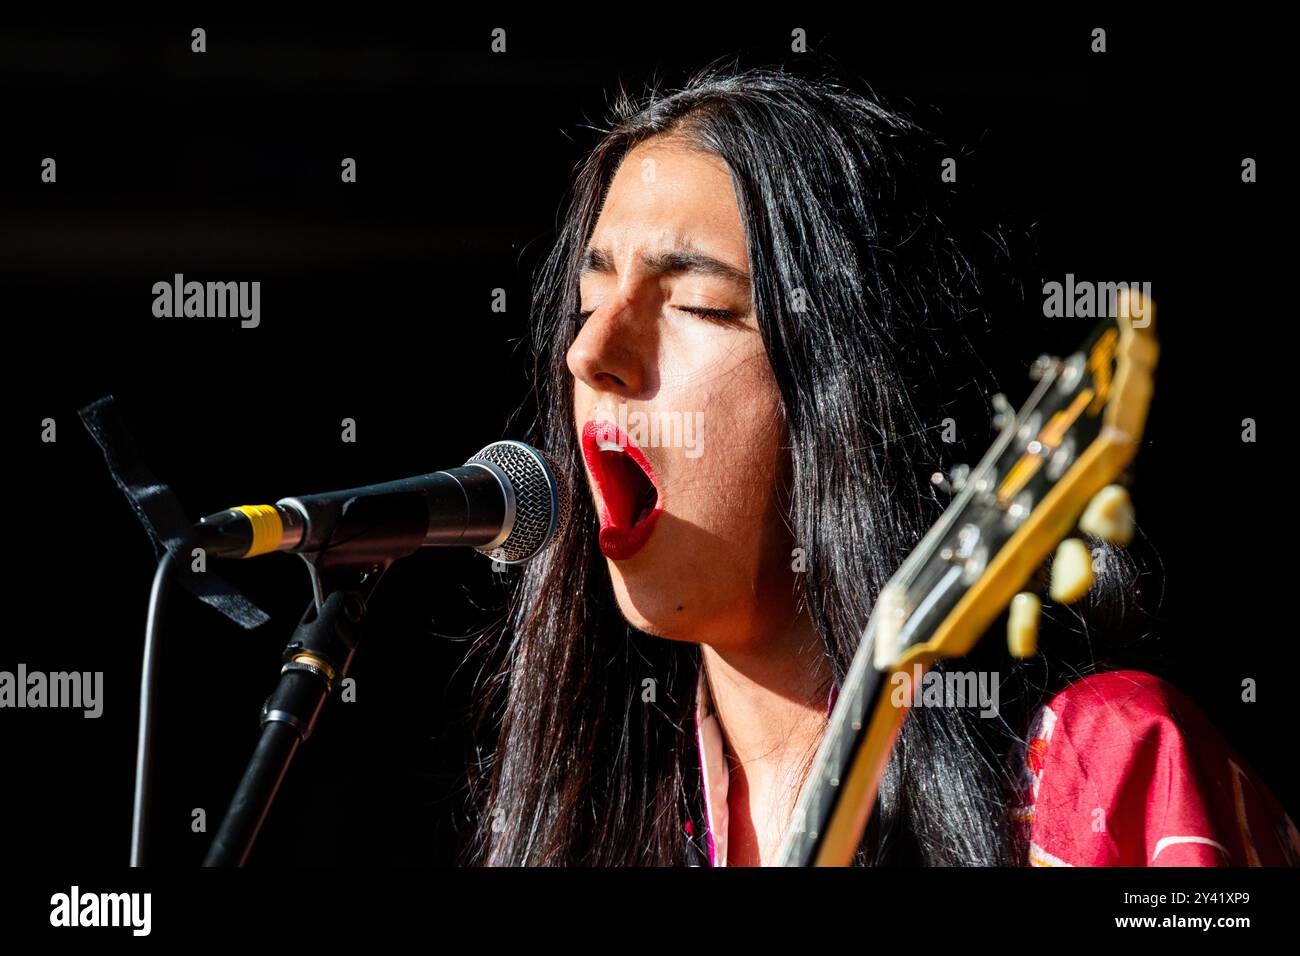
x: 666, y: 194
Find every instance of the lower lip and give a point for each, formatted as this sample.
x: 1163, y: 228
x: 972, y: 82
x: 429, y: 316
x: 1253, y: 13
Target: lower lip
x: 619, y: 544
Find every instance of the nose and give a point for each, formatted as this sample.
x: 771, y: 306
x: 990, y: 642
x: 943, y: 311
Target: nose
x: 612, y: 353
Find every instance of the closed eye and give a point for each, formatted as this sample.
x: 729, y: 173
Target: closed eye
x: 719, y: 315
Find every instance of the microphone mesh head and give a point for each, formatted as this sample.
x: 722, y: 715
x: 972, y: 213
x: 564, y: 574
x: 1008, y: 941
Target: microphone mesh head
x: 541, y: 499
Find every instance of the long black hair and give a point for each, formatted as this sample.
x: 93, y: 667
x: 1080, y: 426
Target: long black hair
x: 869, y: 308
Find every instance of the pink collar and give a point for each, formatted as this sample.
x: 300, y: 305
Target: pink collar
x: 713, y: 765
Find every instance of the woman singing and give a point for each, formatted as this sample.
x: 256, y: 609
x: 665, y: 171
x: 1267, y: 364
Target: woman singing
x: 755, y: 320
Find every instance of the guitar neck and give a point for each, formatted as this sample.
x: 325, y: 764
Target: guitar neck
x: 814, y: 838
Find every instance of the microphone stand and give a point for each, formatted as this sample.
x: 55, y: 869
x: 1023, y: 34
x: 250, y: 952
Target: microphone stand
x: 370, y: 534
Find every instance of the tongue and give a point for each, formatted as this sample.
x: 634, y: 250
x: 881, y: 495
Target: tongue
x: 632, y: 495
x: 645, y: 508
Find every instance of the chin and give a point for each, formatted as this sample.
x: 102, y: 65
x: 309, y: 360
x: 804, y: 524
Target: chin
x: 650, y: 602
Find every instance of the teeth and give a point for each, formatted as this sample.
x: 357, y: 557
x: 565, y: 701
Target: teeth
x: 604, y: 445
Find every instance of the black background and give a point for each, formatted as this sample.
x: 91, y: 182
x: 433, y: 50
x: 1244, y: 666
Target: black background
x: 376, y: 306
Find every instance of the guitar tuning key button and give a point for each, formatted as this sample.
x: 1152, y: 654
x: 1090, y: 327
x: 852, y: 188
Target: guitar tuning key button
x: 1072, y: 573
x: 1110, y: 516
x: 1022, y: 625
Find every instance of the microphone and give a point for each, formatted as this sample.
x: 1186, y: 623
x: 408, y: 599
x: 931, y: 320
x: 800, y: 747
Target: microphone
x: 508, y: 501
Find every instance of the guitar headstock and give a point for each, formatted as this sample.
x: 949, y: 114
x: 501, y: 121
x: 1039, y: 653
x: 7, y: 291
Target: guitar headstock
x: 1050, y: 470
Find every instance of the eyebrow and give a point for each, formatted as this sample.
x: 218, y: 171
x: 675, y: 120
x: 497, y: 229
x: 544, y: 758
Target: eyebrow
x: 669, y: 262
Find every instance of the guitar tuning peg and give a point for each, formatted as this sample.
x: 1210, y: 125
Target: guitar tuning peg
x: 951, y: 484
x: 1043, y: 365
x: 1022, y: 624
x: 1003, y: 414
x: 1072, y: 573
x: 1109, y: 515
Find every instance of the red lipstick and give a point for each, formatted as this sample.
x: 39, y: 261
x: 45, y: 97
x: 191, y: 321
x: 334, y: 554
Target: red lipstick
x: 628, y: 498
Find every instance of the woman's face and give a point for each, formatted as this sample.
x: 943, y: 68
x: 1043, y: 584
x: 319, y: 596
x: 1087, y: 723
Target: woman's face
x: 676, y: 407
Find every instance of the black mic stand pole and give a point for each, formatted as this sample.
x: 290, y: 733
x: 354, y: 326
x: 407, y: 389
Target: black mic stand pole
x: 370, y: 534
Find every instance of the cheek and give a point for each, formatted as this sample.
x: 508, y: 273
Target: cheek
x: 736, y: 472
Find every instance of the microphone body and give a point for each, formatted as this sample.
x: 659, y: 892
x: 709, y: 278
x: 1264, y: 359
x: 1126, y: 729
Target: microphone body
x: 507, y: 501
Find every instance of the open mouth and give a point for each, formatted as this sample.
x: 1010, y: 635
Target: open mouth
x: 628, y: 498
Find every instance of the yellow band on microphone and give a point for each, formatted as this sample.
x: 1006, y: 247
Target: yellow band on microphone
x: 268, y: 529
